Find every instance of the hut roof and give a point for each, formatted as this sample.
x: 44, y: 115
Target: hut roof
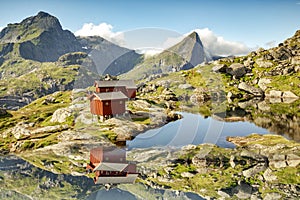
x: 119, y: 83
x: 110, y: 96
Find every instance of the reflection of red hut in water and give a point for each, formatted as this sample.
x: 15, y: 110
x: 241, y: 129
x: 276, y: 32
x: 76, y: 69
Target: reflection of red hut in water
x: 110, y: 166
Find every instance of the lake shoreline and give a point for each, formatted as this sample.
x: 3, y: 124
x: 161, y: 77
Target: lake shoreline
x: 260, y: 166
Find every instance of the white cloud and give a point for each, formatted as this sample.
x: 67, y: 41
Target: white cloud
x: 140, y: 40
x: 149, y: 52
x: 217, y: 45
x: 104, y: 30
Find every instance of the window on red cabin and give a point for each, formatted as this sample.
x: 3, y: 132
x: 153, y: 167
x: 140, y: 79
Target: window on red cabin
x: 121, y: 102
x: 107, y: 103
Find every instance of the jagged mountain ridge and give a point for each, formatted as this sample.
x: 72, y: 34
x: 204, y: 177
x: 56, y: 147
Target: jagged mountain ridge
x: 40, y: 38
x: 184, y: 55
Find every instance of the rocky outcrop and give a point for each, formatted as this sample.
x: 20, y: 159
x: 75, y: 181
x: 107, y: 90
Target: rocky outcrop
x: 159, y: 92
x: 27, y: 129
x: 263, y: 64
x: 20, y: 96
x: 263, y: 83
x: 109, y: 77
x: 236, y: 70
x: 61, y: 115
x: 185, y: 86
x: 75, y: 58
x: 282, y: 53
x: 257, y: 92
x: 266, y: 69
x: 168, y: 95
x: 6, y: 48
x: 199, y: 96
x: 219, y: 68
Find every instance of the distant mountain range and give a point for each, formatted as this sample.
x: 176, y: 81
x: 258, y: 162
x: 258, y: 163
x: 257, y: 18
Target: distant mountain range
x: 38, y: 57
x: 41, y: 38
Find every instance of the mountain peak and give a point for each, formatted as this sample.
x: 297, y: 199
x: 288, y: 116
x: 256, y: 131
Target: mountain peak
x: 43, y: 14
x: 42, y: 20
x: 191, y: 49
x: 194, y: 35
x: 40, y: 38
x: 29, y: 28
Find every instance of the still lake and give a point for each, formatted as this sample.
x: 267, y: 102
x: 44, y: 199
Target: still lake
x: 194, y: 129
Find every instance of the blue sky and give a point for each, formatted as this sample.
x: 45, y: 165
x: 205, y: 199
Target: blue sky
x: 253, y: 23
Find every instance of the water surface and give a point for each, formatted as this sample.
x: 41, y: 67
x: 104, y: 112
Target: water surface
x: 194, y: 129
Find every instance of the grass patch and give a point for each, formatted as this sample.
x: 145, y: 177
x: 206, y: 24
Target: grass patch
x: 37, y: 112
x: 43, y: 141
x: 109, y: 134
x: 288, y: 175
x: 142, y: 120
x: 286, y: 83
x: 271, y: 140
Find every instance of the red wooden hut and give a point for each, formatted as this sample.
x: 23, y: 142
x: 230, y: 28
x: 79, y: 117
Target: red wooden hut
x: 108, y: 104
x: 128, y: 87
x: 110, y: 166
